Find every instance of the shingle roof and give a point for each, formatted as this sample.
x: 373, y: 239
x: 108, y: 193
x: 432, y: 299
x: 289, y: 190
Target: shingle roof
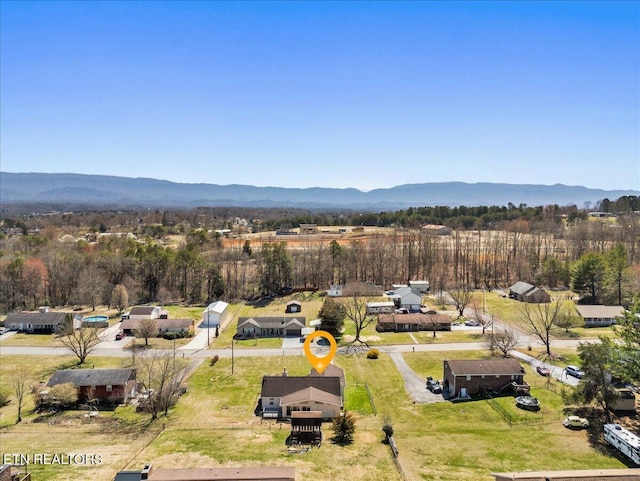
x: 174, y: 323
x: 37, y: 318
x: 521, y: 287
x: 272, y: 322
x: 483, y: 366
x: 416, y: 318
x: 280, y: 386
x: 311, y: 394
x: 143, y: 310
x: 92, y: 377
x: 603, y: 312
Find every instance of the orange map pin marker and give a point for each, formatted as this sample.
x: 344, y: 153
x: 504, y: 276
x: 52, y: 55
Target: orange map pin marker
x: 320, y: 363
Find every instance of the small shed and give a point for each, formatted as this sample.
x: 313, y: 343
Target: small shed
x: 293, y: 306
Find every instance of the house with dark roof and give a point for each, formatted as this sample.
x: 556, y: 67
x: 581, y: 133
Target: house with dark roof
x: 112, y: 385
x: 463, y: 378
x: 332, y: 371
x: 398, y: 322
x: 42, y: 322
x: 249, y: 327
x: 598, y: 316
x: 282, y: 395
x: 525, y: 292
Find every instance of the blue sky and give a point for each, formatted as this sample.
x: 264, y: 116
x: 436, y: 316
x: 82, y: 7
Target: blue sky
x: 329, y: 94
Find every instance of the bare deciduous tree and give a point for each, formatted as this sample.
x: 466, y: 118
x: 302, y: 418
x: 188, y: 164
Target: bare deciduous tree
x: 460, y: 298
x: 503, y: 341
x: 20, y: 383
x: 147, y: 328
x: 160, y: 375
x: 539, y: 320
x: 80, y: 341
x: 356, y: 309
x: 478, y: 313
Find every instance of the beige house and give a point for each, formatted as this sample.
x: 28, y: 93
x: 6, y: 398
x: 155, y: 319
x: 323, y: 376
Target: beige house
x: 598, y: 316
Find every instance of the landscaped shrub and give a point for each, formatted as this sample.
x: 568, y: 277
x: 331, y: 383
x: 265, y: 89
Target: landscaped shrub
x: 373, y: 354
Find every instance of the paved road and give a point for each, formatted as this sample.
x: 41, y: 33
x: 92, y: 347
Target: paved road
x: 415, y: 385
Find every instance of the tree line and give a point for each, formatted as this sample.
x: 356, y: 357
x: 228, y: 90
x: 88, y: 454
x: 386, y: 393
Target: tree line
x: 62, y: 264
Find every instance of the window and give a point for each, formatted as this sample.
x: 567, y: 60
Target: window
x: 109, y: 388
x: 468, y: 377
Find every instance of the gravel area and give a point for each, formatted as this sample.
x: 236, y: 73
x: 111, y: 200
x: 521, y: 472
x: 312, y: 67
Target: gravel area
x: 415, y: 385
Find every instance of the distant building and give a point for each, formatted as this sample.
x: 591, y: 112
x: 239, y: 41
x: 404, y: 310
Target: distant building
x: 436, y: 229
x: 308, y: 229
x: 525, y: 292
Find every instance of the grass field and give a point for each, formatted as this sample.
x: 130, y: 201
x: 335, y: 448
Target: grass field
x: 214, y: 425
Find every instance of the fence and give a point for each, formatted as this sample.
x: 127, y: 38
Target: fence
x: 508, y: 417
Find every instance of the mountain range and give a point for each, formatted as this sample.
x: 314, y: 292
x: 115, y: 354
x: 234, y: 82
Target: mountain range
x: 123, y: 192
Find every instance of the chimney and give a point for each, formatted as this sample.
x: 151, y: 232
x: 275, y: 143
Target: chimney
x: 284, y: 372
x: 146, y: 471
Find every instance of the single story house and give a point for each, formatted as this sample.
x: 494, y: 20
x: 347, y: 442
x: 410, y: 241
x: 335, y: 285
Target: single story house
x: 282, y: 395
x: 129, y: 326
x: 413, y: 322
x: 597, y: 316
x: 138, y: 313
x: 42, y: 322
x: 463, y: 378
x: 183, y: 326
x: 262, y: 473
x: 270, y: 326
x: 525, y: 292
x: 293, y: 306
x: 216, y: 314
x: 114, y: 385
x: 380, y: 307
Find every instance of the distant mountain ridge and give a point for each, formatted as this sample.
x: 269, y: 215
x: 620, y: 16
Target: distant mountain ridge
x: 112, y: 191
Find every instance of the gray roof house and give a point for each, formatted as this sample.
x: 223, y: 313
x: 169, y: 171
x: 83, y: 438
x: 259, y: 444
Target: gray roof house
x: 282, y: 395
x: 41, y: 322
x: 249, y: 327
x: 525, y: 292
x: 100, y: 384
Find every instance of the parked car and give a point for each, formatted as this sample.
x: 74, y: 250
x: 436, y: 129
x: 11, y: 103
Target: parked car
x: 542, y: 370
x: 576, y: 422
x: 574, y: 371
x: 472, y: 322
x: 402, y: 310
x: 434, y: 385
x: 119, y: 336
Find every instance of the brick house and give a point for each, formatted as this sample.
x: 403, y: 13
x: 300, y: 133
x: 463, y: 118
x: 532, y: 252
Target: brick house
x: 413, y: 322
x: 113, y: 385
x: 463, y: 378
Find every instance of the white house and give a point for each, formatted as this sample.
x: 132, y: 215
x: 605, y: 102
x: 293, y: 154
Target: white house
x: 595, y: 316
x: 380, y: 307
x: 139, y: 313
x: 215, y: 314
